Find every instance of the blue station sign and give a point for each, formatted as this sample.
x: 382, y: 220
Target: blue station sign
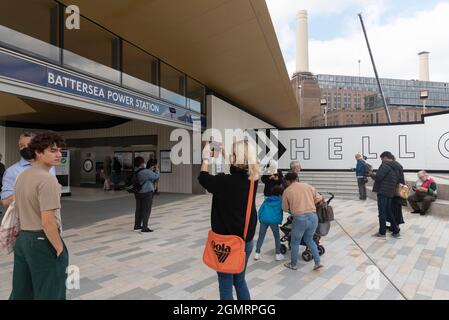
x: 18, y: 68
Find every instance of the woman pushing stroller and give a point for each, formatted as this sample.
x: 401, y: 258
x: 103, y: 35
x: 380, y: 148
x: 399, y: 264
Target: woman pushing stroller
x: 300, y: 200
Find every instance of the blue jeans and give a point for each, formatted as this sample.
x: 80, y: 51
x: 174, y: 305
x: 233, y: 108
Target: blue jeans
x: 262, y: 232
x: 384, y: 205
x: 227, y: 281
x: 304, y: 225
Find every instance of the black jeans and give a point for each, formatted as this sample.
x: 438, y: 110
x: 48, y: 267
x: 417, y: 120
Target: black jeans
x: 385, y: 211
x: 144, y: 201
x: 362, y: 188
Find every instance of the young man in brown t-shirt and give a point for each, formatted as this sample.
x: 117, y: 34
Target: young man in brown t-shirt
x: 40, y: 256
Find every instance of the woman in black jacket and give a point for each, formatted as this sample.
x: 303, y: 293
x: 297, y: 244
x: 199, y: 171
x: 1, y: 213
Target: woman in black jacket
x: 274, y: 177
x: 397, y: 203
x: 229, y: 201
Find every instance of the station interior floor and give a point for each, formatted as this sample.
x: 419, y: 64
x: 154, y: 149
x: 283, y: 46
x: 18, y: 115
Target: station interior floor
x: 117, y: 263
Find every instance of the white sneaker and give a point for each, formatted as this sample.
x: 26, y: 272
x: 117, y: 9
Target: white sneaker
x: 257, y: 256
x: 279, y: 257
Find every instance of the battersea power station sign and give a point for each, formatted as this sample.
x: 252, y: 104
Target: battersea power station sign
x: 59, y: 80
x: 416, y: 146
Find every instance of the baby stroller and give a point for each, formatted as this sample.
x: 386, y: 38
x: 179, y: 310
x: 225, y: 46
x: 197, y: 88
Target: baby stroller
x: 286, y: 229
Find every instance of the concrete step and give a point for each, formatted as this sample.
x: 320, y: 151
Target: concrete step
x: 327, y: 173
x: 439, y: 207
x: 351, y: 177
x: 333, y: 180
x: 338, y: 191
x: 330, y: 183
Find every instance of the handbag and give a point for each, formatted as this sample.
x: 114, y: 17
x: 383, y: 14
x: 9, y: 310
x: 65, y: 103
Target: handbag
x: 9, y: 229
x: 323, y: 228
x: 134, y: 185
x: 325, y: 212
x: 226, y: 253
x: 402, y: 191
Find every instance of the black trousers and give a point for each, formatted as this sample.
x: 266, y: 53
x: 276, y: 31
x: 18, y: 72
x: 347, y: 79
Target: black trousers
x: 144, y: 201
x: 424, y: 198
x: 362, y: 188
x: 386, y: 213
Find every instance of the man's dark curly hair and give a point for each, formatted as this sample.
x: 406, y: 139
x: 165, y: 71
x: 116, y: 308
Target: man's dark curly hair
x: 44, y: 140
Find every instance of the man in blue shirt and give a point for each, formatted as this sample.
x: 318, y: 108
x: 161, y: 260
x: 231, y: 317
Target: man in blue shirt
x: 25, y: 162
x: 361, y: 176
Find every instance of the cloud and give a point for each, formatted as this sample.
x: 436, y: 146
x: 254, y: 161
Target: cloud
x: 395, y: 41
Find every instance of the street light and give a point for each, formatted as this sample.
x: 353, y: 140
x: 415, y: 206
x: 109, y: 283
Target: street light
x: 324, y: 103
x: 424, y: 95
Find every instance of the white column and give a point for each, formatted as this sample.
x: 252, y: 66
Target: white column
x: 302, y: 42
x: 423, y: 66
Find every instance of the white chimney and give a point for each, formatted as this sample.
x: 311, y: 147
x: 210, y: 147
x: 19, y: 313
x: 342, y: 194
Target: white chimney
x: 423, y: 66
x: 302, y: 42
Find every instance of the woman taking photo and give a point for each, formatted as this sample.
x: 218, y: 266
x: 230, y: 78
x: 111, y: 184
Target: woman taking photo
x: 144, y: 197
x: 229, y: 205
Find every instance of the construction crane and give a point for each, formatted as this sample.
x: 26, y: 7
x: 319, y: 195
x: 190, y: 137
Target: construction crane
x: 387, y: 112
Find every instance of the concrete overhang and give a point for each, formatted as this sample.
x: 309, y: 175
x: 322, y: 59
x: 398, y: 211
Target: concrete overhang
x: 228, y: 45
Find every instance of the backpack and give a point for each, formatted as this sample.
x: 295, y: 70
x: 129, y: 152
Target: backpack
x: 368, y: 169
x: 9, y: 229
x: 134, y: 185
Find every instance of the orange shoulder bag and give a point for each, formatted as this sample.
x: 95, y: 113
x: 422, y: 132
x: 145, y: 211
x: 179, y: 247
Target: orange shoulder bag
x: 226, y: 253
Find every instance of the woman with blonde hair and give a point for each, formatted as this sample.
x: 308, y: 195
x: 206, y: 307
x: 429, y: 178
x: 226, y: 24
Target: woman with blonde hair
x: 229, y: 202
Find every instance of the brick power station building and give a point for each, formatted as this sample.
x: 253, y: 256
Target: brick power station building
x: 352, y: 100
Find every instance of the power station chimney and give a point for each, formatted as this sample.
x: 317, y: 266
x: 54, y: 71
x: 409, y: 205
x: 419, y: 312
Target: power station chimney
x: 302, y: 42
x: 423, y: 66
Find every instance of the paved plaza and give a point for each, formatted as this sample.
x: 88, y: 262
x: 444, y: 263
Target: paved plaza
x: 118, y: 263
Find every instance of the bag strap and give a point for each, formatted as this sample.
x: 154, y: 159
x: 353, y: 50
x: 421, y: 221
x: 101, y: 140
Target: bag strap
x: 248, y: 208
x: 137, y: 176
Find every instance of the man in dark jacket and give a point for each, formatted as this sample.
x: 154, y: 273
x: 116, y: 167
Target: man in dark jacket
x: 386, y: 181
x: 360, y: 173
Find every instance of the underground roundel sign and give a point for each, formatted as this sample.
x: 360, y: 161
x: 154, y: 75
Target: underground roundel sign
x: 88, y: 165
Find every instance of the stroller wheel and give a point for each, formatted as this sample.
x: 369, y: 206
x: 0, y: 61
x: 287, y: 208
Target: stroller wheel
x: 307, y: 256
x: 283, y: 249
x: 321, y: 250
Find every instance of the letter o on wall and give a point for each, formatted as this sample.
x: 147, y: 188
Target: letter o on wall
x: 443, y: 145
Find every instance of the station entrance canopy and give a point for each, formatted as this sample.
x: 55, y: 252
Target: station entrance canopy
x: 228, y: 45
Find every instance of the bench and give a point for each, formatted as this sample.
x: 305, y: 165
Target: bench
x: 439, y: 207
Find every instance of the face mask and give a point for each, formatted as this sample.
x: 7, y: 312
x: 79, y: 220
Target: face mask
x: 26, y: 154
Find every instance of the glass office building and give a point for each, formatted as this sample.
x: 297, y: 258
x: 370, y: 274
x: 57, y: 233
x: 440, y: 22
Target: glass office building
x: 404, y: 93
